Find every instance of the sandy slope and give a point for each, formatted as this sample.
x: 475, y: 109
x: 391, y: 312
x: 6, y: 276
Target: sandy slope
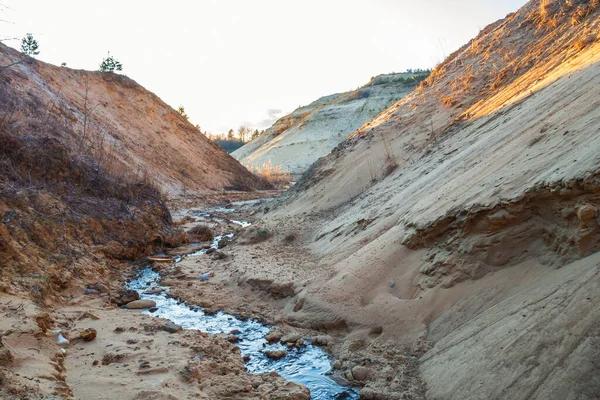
x: 463, y: 221
x: 300, y: 138
x: 137, y: 132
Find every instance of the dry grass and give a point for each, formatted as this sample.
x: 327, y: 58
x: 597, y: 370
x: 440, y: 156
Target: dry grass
x: 583, y: 11
x: 271, y: 172
x: 449, y: 101
x: 390, y: 159
x: 585, y: 41
x: 288, y: 121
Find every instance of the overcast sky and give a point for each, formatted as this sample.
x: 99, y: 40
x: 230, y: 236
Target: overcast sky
x: 233, y: 62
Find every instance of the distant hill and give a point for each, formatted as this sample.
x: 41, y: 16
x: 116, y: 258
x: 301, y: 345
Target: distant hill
x: 297, y: 140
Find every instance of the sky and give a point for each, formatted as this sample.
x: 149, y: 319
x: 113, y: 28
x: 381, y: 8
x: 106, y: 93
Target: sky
x: 246, y: 62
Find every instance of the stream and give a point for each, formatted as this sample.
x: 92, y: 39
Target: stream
x: 309, y: 365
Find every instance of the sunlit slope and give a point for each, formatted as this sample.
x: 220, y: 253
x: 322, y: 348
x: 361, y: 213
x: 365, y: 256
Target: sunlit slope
x: 464, y: 218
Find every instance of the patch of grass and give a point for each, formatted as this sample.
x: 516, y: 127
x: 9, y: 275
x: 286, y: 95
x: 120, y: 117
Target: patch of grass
x: 258, y: 236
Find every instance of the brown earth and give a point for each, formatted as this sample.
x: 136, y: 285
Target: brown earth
x: 124, y: 126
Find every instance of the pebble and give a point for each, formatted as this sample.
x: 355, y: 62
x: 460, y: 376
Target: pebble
x: 290, y: 338
x: 61, y: 340
x: 171, y: 327
x: 206, y: 276
x: 140, y: 304
x: 276, y: 354
x: 88, y: 335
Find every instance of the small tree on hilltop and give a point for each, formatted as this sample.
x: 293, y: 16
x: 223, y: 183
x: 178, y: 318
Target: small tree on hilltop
x: 29, y: 45
x: 110, y: 64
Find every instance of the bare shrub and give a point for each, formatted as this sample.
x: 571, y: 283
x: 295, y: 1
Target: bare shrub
x: 202, y: 233
x: 449, y: 101
x: 585, y: 41
x: 256, y: 235
x: 272, y: 173
x: 290, y: 238
x: 390, y: 159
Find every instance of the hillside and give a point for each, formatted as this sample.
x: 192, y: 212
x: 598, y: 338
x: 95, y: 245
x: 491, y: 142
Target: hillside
x: 460, y: 228
x: 118, y: 120
x: 86, y: 162
x: 297, y: 140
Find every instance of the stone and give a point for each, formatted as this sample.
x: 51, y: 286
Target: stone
x: 88, y: 335
x: 233, y: 338
x: 361, y: 373
x: 219, y: 255
x: 90, y: 292
x: 322, y: 340
x: 171, y: 327
x: 206, y: 276
x: 290, y: 338
x: 125, y: 296
x: 140, y: 304
x: 153, y: 291
x: 274, y: 336
x: 276, y: 354
x: 587, y: 213
x: 61, y: 340
x: 99, y: 286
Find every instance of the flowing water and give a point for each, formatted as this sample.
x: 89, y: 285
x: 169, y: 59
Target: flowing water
x: 309, y: 365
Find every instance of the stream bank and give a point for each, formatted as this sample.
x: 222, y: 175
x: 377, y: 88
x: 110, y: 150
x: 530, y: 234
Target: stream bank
x: 305, y: 364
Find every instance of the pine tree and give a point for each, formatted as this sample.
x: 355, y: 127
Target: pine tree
x: 29, y: 45
x: 110, y: 64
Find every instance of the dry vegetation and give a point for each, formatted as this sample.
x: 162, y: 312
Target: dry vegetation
x: 61, y: 210
x: 288, y: 121
x: 272, y: 173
